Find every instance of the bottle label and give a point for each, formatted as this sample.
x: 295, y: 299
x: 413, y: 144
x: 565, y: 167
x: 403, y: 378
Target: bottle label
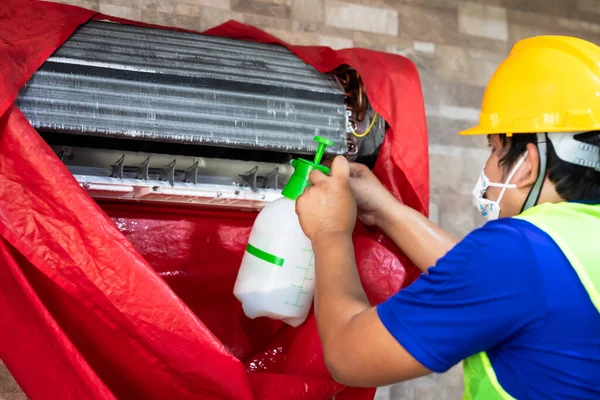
x: 263, y: 255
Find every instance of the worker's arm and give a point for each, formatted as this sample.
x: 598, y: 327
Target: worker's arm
x: 358, y: 349
x: 419, y: 238
x: 423, y: 241
x: 475, y: 297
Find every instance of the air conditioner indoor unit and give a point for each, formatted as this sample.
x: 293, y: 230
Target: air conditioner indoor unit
x: 144, y: 114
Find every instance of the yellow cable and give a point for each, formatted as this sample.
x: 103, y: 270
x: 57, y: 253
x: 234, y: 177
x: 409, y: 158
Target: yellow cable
x: 365, y: 133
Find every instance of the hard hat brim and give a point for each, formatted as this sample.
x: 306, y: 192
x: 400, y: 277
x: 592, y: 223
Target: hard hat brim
x: 477, y: 130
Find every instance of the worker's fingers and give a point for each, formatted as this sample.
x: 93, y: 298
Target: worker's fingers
x: 305, y: 193
x: 327, y: 162
x: 298, y: 204
x: 357, y: 170
x: 340, y: 169
x: 300, y: 200
x: 316, y: 176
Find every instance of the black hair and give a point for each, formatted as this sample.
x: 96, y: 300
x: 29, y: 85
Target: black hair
x: 572, y: 182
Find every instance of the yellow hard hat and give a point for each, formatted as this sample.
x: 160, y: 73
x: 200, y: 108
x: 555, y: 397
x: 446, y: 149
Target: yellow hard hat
x: 547, y: 84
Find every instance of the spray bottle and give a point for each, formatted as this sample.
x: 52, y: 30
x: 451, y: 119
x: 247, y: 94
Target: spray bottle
x: 276, y: 278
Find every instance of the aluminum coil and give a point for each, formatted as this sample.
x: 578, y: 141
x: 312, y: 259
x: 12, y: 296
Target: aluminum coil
x: 143, y: 83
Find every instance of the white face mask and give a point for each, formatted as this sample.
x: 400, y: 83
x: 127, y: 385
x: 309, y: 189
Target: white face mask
x: 490, y: 208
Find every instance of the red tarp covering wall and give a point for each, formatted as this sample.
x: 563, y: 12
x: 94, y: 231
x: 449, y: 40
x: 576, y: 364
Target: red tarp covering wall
x: 130, y: 301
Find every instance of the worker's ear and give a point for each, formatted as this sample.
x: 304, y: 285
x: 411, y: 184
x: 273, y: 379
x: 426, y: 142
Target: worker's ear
x: 528, y: 173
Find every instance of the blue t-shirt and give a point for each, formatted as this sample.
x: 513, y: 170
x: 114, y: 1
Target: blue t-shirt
x: 506, y: 289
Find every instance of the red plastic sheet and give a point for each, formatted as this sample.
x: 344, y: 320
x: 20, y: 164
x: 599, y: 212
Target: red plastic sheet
x: 131, y: 301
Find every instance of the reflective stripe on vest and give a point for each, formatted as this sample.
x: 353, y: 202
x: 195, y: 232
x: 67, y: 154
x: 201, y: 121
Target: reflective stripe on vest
x: 575, y: 229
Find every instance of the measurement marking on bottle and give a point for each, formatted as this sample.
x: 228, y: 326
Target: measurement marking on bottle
x: 306, y: 278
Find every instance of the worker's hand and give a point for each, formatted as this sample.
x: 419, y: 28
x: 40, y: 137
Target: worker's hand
x: 327, y: 208
x: 372, y: 198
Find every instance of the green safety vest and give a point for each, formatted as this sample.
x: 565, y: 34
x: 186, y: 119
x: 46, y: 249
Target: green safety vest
x: 575, y: 229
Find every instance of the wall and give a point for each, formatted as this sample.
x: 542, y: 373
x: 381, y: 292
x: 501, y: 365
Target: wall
x: 456, y: 46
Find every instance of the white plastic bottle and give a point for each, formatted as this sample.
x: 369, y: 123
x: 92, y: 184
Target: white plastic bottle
x: 276, y: 277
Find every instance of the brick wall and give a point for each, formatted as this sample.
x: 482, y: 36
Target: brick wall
x: 456, y: 46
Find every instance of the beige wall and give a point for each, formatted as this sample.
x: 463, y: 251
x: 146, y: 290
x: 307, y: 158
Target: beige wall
x: 455, y: 44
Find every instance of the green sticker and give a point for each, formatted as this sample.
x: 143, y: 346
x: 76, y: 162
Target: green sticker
x: 263, y: 255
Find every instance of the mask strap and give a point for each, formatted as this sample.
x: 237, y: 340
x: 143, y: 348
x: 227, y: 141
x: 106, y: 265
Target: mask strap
x: 536, y: 190
x: 510, y: 176
x: 503, y: 185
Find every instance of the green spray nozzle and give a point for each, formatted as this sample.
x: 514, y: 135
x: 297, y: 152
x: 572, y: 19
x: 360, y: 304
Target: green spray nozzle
x: 302, y: 169
x: 323, y: 143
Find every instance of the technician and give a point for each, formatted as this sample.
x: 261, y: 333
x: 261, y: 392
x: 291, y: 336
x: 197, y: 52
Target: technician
x: 518, y: 299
